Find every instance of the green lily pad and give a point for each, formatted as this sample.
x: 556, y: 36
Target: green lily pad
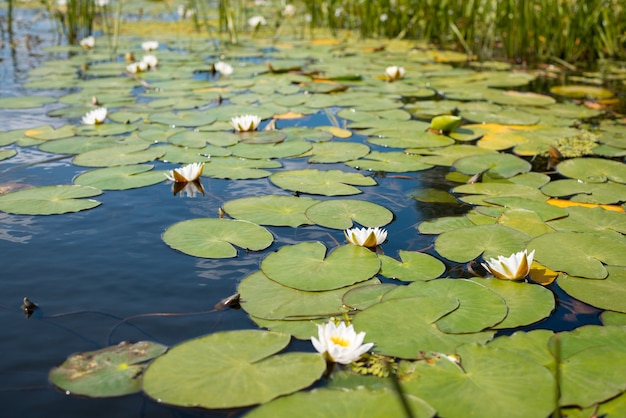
x: 526, y: 303
x: 587, y: 192
x: 412, y: 318
x: 495, y: 165
x: 523, y: 220
x: 121, y: 178
x: 118, y: 155
x: 111, y: 371
x: 333, y: 403
x: 465, y: 244
x: 582, y: 254
x: 389, y: 162
x: 263, y: 151
x: 230, y: 369
x: 262, y: 137
x: 6, y: 154
x: 609, y: 293
x: 613, y: 318
x: 413, y: 141
x: 271, y: 210
x: 582, y: 92
x: 447, y: 223
x: 215, y: 238
x: 267, y: 299
x: 49, y: 200
x: 581, y: 219
x: 545, y: 211
x: 327, y: 183
x: 487, y: 382
x: 342, y: 213
x: 78, y: 144
x: 364, y: 296
x: 48, y: 133
x: 448, y: 155
x: 504, y: 117
x: 533, y: 344
x: 479, y: 307
x: 518, y: 98
x: 346, y: 265
x: 183, y: 118
x: 238, y: 168
x: 413, y: 267
x: 25, y: 102
x: 593, y: 170
x: 478, y: 193
x: 336, y: 152
x: 592, y: 366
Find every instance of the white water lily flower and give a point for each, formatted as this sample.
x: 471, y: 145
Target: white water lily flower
x: 88, y: 42
x: 102, y: 3
x: 289, y: 10
x: 514, y: 267
x: 96, y: 116
x: 366, y: 237
x: 340, y: 344
x: 245, y: 123
x: 150, y: 60
x: 186, y: 173
x: 149, y: 45
x: 137, y: 67
x: 255, y: 21
x: 394, y: 73
x: 223, y: 68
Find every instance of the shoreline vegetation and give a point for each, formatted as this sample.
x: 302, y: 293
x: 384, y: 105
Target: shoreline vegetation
x: 523, y: 32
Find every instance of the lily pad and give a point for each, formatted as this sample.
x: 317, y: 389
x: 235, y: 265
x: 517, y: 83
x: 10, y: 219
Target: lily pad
x: 216, y: 238
x: 263, y: 151
x: 25, y: 102
x: 483, y: 372
x: 496, y: 165
x: 389, y: 162
x: 412, y: 318
x: 48, y: 133
x: 230, y: 369
x: 413, y: 267
x: 238, y: 168
x: 49, y: 200
x: 335, y: 152
x: 582, y: 219
x: 121, y: 178
x: 479, y: 307
x: 327, y: 183
x: 333, y: 403
x: 582, y: 92
x: 587, y: 192
x: 183, y: 118
x: 118, y: 155
x: 344, y: 266
x: 582, y: 254
x: 268, y: 299
x: 526, y: 303
x: 111, y: 371
x: 608, y: 294
x: 271, y: 210
x: 342, y: 213
x: 465, y: 244
x: 364, y: 296
x: 593, y: 170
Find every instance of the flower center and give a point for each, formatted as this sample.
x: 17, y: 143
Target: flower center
x: 340, y: 341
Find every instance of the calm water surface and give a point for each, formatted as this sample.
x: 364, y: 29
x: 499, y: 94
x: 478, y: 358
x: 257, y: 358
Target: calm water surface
x: 90, y: 270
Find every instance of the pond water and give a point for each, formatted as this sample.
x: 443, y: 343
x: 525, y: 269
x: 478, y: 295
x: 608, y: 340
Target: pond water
x: 105, y: 275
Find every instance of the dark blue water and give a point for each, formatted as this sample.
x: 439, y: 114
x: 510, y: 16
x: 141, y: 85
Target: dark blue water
x: 104, y: 275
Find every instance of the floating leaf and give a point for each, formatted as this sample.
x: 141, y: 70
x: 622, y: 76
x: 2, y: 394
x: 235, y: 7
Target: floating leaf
x: 479, y: 307
x: 335, y: 152
x: 593, y: 170
x: 238, y: 168
x: 412, y: 319
x: 414, y: 266
x: 48, y: 133
x: 111, y: 371
x: 215, y: 238
x: 327, y: 183
x: 263, y: 151
x: 526, y: 303
x: 465, y: 244
x: 582, y: 254
x: 582, y: 92
x: 544, y: 210
x: 268, y: 299
x: 489, y: 190
x: 586, y: 192
x: 118, y: 155
x: 390, y: 162
x: 333, y: 403
x: 495, y: 165
x: 344, y: 266
x: 483, y: 372
x: 271, y: 210
x: 49, y: 200
x: 340, y: 214
x: 363, y: 297
x: 582, y: 219
x: 121, y: 178
x: 183, y: 118
x: 230, y: 369
x: 25, y: 102
x: 608, y: 293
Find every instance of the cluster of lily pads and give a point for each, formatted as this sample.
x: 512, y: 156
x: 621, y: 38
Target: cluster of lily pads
x: 434, y: 337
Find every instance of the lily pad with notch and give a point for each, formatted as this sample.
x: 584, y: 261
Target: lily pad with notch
x: 230, y: 369
x: 121, y: 177
x: 271, y: 210
x: 413, y: 266
x: 49, y: 200
x: 344, y: 266
x: 216, y: 238
x: 327, y: 183
x: 342, y: 213
x: 118, y: 155
x: 236, y: 168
